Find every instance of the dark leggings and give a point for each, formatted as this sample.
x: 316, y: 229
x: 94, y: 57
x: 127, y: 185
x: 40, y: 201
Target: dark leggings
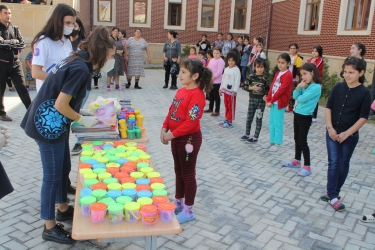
x: 167, y: 74
x: 302, y: 125
x: 315, y: 114
x: 96, y: 81
x: 215, y: 98
x: 9, y: 83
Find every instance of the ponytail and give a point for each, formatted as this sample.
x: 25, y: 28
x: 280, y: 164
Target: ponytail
x: 205, y: 80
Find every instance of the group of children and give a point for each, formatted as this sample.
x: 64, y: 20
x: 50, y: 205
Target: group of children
x: 349, y: 99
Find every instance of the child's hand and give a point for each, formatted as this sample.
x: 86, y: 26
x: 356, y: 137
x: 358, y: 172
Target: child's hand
x: 342, y: 137
x: 256, y: 88
x: 302, y: 84
x: 234, y: 94
x: 265, y: 98
x: 168, y: 137
x: 268, y: 104
x: 333, y: 134
x: 162, y: 133
x: 220, y: 94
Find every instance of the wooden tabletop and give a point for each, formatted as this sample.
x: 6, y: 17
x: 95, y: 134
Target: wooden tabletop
x: 84, y: 229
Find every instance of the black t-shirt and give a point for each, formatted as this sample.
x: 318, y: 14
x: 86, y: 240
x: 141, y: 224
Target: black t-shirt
x: 42, y: 121
x: 348, y: 105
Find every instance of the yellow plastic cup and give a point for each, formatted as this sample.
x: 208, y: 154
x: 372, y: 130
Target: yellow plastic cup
x: 83, y: 172
x: 115, y: 186
x: 144, y: 201
x: 103, y: 160
x: 103, y: 176
x: 156, y: 186
x: 136, y: 175
x: 137, y: 112
x: 153, y: 174
x: 112, y: 165
x: 89, y: 176
x: 146, y: 170
x: 123, y: 133
x: 128, y: 185
x: 87, y: 153
x: 122, y: 124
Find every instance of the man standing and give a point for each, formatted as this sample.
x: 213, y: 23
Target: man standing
x: 10, y: 65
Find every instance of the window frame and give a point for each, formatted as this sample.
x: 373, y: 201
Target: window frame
x: 140, y: 1
x: 113, y: 16
x: 215, y: 26
x: 148, y: 14
x: 355, y: 15
x: 341, y: 27
x: 183, y: 16
x: 302, y: 19
x: 208, y: 6
x: 247, y: 18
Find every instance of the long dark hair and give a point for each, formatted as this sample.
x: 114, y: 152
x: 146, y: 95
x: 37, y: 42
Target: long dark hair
x: 205, y: 74
x: 319, y: 49
x: 81, y: 32
x: 55, y: 24
x: 361, y: 47
x: 310, y: 67
x: 97, y: 46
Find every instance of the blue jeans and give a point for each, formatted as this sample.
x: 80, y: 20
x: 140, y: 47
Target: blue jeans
x: 82, y: 105
x: 56, y: 167
x: 243, y: 73
x: 339, y: 155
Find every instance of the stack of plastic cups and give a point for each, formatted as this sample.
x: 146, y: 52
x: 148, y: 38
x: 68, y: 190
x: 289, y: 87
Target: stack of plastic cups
x: 85, y: 204
x: 132, y: 213
x: 167, y: 211
x: 98, y: 212
x: 115, y: 213
x: 123, y: 129
x: 149, y: 214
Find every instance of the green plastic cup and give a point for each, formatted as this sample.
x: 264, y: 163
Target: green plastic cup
x: 99, y: 194
x: 88, y: 183
x: 107, y: 201
x: 131, y: 134
x: 85, y: 158
x: 141, y: 165
x: 108, y: 181
x: 111, y: 151
x: 159, y: 192
x: 123, y: 200
x: 115, y: 213
x: 138, y: 133
x: 99, y: 170
x: 97, y: 143
x: 85, y: 204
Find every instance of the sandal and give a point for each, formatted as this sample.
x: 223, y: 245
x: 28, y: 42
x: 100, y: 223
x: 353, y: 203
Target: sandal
x: 221, y: 123
x: 368, y: 218
x: 292, y: 164
x: 215, y: 114
x: 338, y: 206
x: 327, y: 199
x: 226, y: 125
x: 304, y: 172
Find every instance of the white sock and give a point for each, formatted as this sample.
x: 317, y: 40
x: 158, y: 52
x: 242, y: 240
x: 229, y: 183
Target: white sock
x: 334, y: 200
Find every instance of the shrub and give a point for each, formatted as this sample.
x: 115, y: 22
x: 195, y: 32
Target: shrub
x: 185, y: 51
x: 328, y: 80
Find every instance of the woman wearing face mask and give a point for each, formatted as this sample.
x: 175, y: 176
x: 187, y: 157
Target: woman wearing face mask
x: 78, y: 34
x: 48, y: 119
x: 52, y: 44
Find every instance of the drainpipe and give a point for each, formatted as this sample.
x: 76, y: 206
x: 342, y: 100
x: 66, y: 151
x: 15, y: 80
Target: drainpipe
x: 269, y: 28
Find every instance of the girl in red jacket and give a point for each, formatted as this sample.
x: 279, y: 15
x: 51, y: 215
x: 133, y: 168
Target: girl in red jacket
x: 277, y: 99
x: 185, y: 134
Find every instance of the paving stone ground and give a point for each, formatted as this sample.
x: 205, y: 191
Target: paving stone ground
x: 245, y: 199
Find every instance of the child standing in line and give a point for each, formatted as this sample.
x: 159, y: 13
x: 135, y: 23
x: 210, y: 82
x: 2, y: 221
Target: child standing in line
x: 317, y: 59
x: 253, y: 53
x: 96, y: 79
x: 258, y: 86
x: 307, y: 94
x: 217, y: 66
x: 347, y: 110
x: 296, y: 61
x: 185, y: 134
x: 29, y: 78
x: 175, y: 69
x: 277, y: 99
x: 210, y: 55
x: 193, y: 53
x: 245, y: 58
x: 201, y: 56
x: 229, y: 86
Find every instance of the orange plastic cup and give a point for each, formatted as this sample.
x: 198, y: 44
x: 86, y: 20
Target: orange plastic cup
x: 120, y: 175
x: 159, y: 199
x: 118, y: 143
x: 141, y: 187
x: 127, y: 179
x: 142, y: 147
x: 156, y: 180
x: 99, y: 186
x: 149, y: 214
x: 130, y: 164
x: 98, y: 212
x: 127, y: 169
x: 84, y: 165
x: 112, y: 171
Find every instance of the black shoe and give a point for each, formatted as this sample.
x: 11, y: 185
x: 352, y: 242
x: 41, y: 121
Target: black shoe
x: 71, y: 190
x: 96, y: 87
x: 171, y: 87
x: 57, y: 234
x: 165, y: 86
x: 128, y: 85
x: 175, y: 87
x: 137, y: 87
x: 77, y: 149
x: 5, y: 118
x: 65, y: 216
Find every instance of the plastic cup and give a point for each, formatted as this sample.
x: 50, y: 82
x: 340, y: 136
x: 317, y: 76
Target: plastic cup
x: 123, y: 133
x: 153, y: 175
x: 143, y: 130
x: 87, y: 153
x: 137, y: 112
x: 120, y: 175
x: 142, y: 181
x: 128, y: 185
x: 131, y: 144
x: 144, y: 201
x: 131, y: 134
x: 84, y: 171
x: 159, y: 199
x: 92, y: 161
x: 132, y: 213
x: 84, y: 165
x: 113, y: 165
x: 115, y: 213
x: 85, y: 204
x: 127, y: 179
x: 120, y: 155
x: 114, y: 194
x: 104, y: 176
x: 116, y: 144
x: 110, y: 180
x: 99, y: 194
x: 167, y: 211
x: 85, y: 158
x: 89, y: 176
x: 159, y: 192
x: 140, y: 119
x: 141, y: 187
x: 144, y: 193
x: 138, y: 133
x: 99, y: 186
x: 98, y: 211
x: 142, y: 147
x: 136, y: 175
x: 149, y: 214
x: 123, y: 200
x: 114, y: 186
x: 132, y: 193
x: 103, y: 160
x: 112, y: 171
x: 141, y: 165
x: 131, y: 148
x: 133, y: 159
x: 145, y: 158
x: 88, y: 183
x: 99, y: 171
x: 85, y: 192
x: 121, y: 161
x: 107, y: 201
x: 156, y: 180
x: 97, y: 143
x: 157, y: 186
x: 146, y: 170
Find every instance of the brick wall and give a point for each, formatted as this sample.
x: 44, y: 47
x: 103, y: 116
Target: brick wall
x: 285, y: 27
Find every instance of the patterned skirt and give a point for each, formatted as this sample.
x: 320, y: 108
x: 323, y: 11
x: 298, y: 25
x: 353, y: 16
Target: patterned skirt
x: 118, y: 70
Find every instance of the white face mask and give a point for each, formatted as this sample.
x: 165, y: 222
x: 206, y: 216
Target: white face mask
x: 108, y: 66
x: 68, y: 30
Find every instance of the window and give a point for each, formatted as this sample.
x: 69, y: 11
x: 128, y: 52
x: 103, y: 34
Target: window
x: 175, y: 14
x: 104, y: 12
x: 208, y: 15
x: 140, y: 13
x: 310, y: 16
x: 357, y: 15
x: 240, y: 16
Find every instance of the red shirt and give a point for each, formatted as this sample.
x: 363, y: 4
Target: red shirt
x: 319, y: 63
x: 282, y: 95
x: 185, y: 112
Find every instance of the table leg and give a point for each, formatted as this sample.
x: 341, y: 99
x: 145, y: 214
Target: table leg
x: 151, y: 242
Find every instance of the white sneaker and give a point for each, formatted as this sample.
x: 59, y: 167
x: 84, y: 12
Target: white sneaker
x: 268, y: 145
x: 274, y: 148
x: 314, y: 119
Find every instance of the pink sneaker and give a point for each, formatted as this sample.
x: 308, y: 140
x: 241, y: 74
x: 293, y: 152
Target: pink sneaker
x: 108, y: 89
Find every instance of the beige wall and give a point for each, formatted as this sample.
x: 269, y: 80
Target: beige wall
x: 334, y: 63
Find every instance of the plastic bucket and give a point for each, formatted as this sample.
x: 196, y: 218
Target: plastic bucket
x: 132, y: 213
x: 99, y: 186
x: 156, y: 186
x: 116, y: 144
x: 99, y: 171
x: 146, y: 170
x: 98, y: 165
x: 100, y: 152
x: 142, y: 147
x: 84, y: 171
x: 89, y: 176
x: 130, y: 164
x: 145, y: 158
x: 159, y: 192
x: 112, y: 171
x: 113, y: 159
x: 121, y: 161
x: 92, y: 161
x: 120, y: 175
x: 149, y: 214
x: 85, y: 204
x: 85, y: 158
x: 167, y: 211
x: 131, y: 144
x: 127, y: 179
x: 142, y: 181
x: 156, y: 180
x: 141, y: 187
x: 153, y: 175
x: 114, y: 186
x: 107, y: 201
x: 115, y: 213
x: 121, y: 149
x: 88, y: 183
x: 133, y: 158
x: 132, y: 193
x: 86, y: 145
x: 144, y: 201
x: 127, y: 169
x: 114, y: 194
x: 129, y: 185
x: 144, y: 193
x: 137, y: 175
x: 141, y: 165
x: 110, y: 152
x: 104, y: 176
x: 87, y: 153
x: 84, y: 165
x: 123, y: 199
x: 112, y: 165
x: 159, y: 199
x: 99, y: 194
x: 98, y: 211
x: 103, y: 160
x: 85, y: 192
x: 98, y: 143
x: 110, y: 180
x: 120, y: 154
